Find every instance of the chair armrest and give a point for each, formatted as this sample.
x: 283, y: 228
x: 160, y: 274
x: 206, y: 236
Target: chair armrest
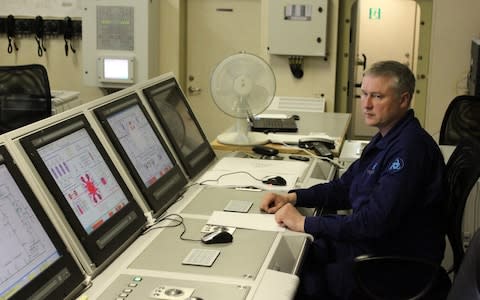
x: 396, y: 277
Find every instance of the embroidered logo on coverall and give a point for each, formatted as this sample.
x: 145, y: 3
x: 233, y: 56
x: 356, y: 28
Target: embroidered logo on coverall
x: 396, y: 165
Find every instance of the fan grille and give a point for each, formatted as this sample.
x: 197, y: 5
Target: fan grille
x: 243, y: 85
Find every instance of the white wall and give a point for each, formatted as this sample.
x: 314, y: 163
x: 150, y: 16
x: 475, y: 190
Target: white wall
x: 454, y: 24
x: 64, y: 72
x: 319, y: 73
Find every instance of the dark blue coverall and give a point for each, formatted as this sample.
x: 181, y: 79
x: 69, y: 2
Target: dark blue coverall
x: 395, y: 191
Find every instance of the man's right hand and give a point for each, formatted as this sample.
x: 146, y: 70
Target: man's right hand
x: 272, y: 202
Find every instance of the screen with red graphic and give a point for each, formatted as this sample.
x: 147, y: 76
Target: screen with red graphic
x: 84, y: 179
x: 84, y: 185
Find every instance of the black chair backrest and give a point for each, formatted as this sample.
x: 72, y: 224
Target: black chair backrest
x: 25, y: 96
x: 461, y: 120
x: 463, y: 171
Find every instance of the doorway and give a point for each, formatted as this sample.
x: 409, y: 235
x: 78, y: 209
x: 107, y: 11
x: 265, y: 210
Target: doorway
x: 381, y: 30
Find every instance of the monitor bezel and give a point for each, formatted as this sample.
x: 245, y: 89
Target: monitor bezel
x: 65, y: 261
x: 192, y: 165
x: 165, y: 190
x: 131, y: 216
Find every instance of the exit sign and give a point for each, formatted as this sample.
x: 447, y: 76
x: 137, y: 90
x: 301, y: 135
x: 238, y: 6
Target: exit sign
x: 374, y: 13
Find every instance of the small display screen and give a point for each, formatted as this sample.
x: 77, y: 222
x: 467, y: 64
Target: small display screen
x: 26, y: 250
x: 116, y: 68
x: 84, y: 178
x: 141, y: 144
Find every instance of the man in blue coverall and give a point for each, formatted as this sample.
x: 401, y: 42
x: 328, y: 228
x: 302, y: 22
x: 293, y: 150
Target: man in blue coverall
x: 394, y: 189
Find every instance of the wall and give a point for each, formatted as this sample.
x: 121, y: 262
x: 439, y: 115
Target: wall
x: 64, y: 72
x: 319, y: 72
x: 455, y: 23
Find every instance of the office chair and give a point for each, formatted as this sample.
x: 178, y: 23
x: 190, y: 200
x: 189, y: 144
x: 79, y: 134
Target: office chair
x: 461, y: 120
x: 387, y: 277
x: 24, y: 96
x: 466, y: 285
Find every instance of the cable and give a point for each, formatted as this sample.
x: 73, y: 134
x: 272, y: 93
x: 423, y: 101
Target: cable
x: 296, y: 66
x: 231, y: 173
x: 177, y: 222
x: 161, y: 219
x: 331, y: 161
x: 310, y: 153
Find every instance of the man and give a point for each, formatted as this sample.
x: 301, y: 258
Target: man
x: 394, y: 189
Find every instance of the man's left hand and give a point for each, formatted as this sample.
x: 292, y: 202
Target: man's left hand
x: 288, y: 216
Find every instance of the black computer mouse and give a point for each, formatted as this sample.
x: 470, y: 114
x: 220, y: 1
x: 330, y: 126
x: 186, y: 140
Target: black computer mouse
x: 217, y: 237
x: 296, y: 117
x: 275, y: 180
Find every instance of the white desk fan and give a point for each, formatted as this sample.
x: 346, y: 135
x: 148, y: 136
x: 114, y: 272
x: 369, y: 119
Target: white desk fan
x: 242, y: 86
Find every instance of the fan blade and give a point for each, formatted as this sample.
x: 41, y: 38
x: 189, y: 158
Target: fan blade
x: 258, y: 99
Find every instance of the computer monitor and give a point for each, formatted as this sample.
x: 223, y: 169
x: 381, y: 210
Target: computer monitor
x: 182, y: 128
x: 143, y: 151
x: 34, y: 261
x: 86, y: 186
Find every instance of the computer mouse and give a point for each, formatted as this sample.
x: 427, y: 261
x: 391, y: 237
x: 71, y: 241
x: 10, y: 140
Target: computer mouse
x: 296, y: 117
x: 275, y: 180
x: 217, y: 237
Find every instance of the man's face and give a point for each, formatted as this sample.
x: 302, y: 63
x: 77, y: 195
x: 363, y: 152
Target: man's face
x: 382, y: 107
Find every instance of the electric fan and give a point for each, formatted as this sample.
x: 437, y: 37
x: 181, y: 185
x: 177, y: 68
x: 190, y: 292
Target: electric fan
x: 242, y: 86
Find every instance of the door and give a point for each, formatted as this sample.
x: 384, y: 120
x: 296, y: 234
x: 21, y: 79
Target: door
x: 215, y: 30
x: 385, y: 30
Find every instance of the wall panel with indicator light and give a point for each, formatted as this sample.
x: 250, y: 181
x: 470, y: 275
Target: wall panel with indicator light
x: 120, y: 42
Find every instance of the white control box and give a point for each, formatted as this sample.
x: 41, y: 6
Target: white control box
x: 297, y: 28
x: 120, y: 42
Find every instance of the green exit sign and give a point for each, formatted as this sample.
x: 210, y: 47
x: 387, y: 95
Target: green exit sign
x: 374, y: 13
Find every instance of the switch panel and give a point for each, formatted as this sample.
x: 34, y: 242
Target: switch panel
x: 297, y: 28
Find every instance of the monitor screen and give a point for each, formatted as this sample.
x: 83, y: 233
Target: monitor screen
x: 86, y: 186
x: 115, y: 68
x: 183, y: 130
x: 34, y: 260
x: 143, y: 151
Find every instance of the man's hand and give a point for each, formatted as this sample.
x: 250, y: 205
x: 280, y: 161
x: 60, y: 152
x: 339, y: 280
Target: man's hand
x: 288, y: 216
x: 272, y: 202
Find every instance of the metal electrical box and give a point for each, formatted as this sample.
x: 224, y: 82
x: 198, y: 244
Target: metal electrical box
x: 120, y: 42
x: 297, y: 28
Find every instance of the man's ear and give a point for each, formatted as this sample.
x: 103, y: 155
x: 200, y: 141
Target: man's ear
x: 405, y: 99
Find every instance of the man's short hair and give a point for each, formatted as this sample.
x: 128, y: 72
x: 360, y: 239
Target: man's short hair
x: 404, y: 78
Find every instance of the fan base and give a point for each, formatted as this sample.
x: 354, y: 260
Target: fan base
x: 248, y: 139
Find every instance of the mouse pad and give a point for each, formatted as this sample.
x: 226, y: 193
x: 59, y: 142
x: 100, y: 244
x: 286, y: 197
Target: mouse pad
x: 201, y: 257
x: 240, y: 206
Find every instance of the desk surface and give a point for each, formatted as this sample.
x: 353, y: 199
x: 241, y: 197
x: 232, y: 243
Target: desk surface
x: 334, y: 125
x: 154, y: 261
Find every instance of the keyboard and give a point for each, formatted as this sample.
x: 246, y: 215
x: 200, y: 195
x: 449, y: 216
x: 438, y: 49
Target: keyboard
x: 274, y: 124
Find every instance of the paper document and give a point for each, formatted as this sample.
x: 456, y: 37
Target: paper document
x: 244, y: 180
x: 242, y: 172
x: 292, y: 139
x: 272, y: 116
x: 265, y: 222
